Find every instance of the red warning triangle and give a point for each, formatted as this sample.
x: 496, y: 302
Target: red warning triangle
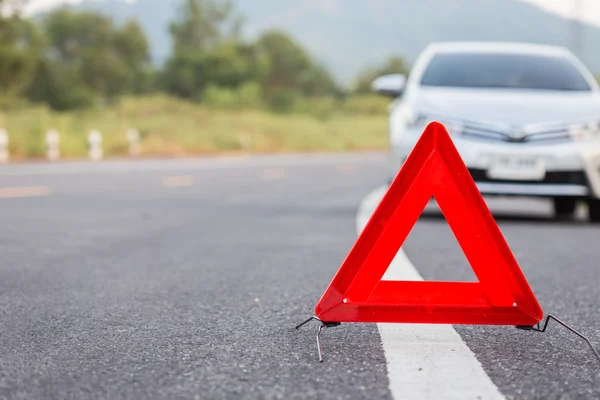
x: 501, y: 296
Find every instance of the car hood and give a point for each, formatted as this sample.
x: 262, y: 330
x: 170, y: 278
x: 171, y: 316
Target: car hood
x: 513, y: 107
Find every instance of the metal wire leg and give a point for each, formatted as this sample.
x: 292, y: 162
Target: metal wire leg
x: 319, y: 342
x: 321, y: 326
x: 307, y: 321
x: 543, y: 329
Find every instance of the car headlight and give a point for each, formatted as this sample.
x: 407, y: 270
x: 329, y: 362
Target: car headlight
x: 421, y: 120
x: 586, y: 131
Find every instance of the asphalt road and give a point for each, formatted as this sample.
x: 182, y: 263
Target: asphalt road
x: 185, y: 279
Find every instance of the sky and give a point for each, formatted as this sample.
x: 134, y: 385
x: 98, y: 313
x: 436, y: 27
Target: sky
x: 41, y: 5
x: 589, y: 9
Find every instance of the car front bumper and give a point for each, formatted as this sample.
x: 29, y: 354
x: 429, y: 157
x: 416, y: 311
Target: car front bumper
x: 570, y: 169
x: 490, y: 187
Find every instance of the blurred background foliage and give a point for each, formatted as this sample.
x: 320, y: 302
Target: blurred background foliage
x: 72, y: 60
x: 76, y: 70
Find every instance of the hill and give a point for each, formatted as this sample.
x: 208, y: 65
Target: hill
x: 348, y: 35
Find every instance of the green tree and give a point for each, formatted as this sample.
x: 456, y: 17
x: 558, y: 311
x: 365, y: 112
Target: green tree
x: 291, y: 72
x: 132, y: 45
x: 289, y: 63
x: 207, y: 51
x: 228, y: 65
x: 393, y: 65
x: 319, y: 82
x: 59, y: 87
x: 89, y: 59
x: 202, y: 24
x: 21, y: 45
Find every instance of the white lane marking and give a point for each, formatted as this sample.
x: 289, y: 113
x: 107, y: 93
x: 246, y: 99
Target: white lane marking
x: 178, y: 181
x: 17, y: 192
x: 426, y: 361
x: 274, y: 174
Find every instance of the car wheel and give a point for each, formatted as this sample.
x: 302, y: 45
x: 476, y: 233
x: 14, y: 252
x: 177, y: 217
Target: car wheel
x: 564, y: 207
x: 594, y: 210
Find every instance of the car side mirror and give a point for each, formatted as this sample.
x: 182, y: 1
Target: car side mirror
x: 391, y: 85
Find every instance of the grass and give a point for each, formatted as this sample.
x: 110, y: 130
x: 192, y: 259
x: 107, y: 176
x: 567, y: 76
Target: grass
x: 171, y: 127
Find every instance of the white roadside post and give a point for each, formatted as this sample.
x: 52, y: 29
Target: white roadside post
x: 133, y: 137
x: 95, y: 145
x: 3, y: 146
x: 52, y: 145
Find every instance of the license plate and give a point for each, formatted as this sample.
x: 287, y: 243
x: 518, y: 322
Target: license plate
x: 517, y: 168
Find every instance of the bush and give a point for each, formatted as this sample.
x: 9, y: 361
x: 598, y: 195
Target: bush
x: 369, y: 104
x: 10, y: 103
x: 76, y: 98
x: 174, y: 127
x: 321, y: 107
x: 248, y: 95
x: 284, y: 101
x: 217, y: 97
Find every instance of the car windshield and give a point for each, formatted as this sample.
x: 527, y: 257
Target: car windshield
x: 495, y: 70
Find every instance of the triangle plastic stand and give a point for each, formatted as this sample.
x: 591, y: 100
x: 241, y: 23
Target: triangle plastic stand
x: 501, y: 296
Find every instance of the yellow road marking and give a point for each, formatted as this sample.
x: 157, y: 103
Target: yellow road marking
x: 178, y: 181
x: 25, y: 191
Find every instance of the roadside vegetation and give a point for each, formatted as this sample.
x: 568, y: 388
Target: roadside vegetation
x: 174, y: 127
x: 74, y: 71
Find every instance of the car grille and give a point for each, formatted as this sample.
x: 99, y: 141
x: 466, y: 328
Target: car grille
x: 528, y: 134
x: 552, y: 177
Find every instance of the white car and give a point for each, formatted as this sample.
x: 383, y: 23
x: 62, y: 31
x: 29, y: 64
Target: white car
x: 524, y: 117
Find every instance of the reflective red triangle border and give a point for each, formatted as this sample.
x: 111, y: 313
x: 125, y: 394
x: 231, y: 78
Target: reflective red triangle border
x: 501, y: 296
